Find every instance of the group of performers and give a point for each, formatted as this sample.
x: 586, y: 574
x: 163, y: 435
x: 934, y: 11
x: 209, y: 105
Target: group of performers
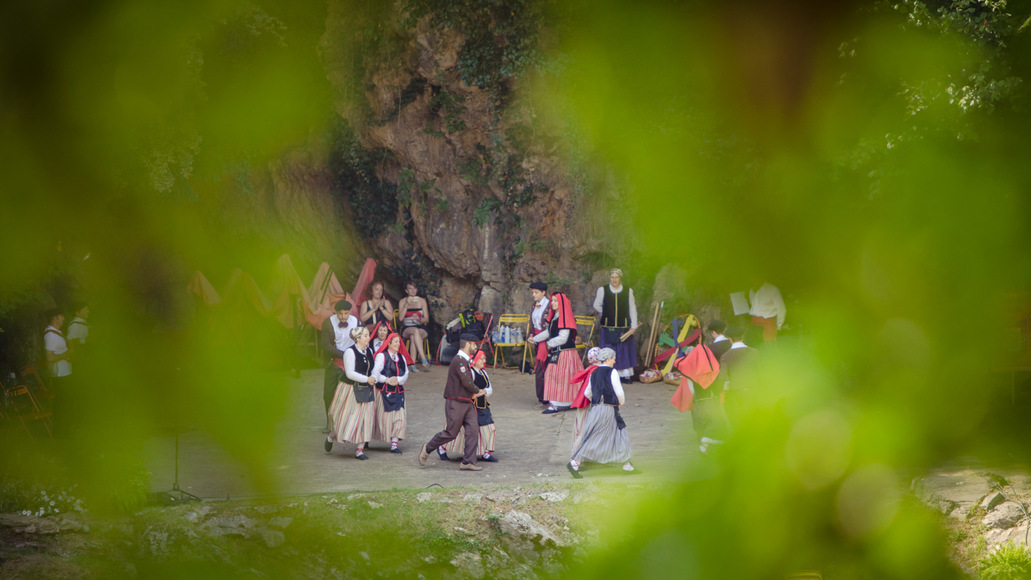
x: 369, y: 402
x: 368, y: 372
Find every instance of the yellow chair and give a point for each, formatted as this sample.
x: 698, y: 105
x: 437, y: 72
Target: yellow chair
x: 585, y: 323
x: 512, y: 321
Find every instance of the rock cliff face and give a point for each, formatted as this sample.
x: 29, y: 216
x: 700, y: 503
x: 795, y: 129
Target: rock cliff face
x: 486, y: 203
x: 490, y: 215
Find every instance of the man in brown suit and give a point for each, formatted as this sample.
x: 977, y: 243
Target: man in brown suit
x: 459, y: 410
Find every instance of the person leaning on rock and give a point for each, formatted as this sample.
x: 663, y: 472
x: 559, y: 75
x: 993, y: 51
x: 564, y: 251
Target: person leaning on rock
x: 460, y: 391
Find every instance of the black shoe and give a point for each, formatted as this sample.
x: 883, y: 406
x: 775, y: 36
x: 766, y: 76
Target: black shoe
x: 549, y: 411
x: 361, y: 456
x: 442, y: 455
x: 395, y: 450
x: 489, y: 458
x: 328, y: 446
x: 625, y: 380
x: 576, y: 473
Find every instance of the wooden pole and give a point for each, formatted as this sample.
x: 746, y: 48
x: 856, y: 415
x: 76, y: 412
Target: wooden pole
x: 652, y: 335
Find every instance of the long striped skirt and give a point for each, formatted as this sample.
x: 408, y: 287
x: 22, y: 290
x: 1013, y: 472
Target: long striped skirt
x: 601, y: 440
x: 389, y: 424
x: 578, y: 424
x: 352, y: 421
x: 557, y: 377
x: 626, y: 352
x: 457, y: 445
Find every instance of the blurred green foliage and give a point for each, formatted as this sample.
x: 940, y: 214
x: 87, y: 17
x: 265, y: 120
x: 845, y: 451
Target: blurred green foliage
x: 823, y: 149
x: 868, y: 160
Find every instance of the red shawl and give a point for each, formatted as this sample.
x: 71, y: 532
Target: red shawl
x: 700, y: 366
x: 564, y: 312
x: 584, y: 378
x: 383, y: 347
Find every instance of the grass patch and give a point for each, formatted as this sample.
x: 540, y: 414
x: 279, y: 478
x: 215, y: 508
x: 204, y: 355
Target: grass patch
x: 443, y: 532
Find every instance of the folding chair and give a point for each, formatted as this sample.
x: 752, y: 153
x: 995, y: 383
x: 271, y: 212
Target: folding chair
x: 581, y: 323
x: 34, y: 381
x: 512, y: 321
x: 26, y: 406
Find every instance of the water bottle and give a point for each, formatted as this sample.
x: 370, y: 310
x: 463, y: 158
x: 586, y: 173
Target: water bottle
x: 519, y: 336
x: 505, y: 331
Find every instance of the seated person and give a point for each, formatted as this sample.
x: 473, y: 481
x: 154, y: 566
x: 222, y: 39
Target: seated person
x: 415, y: 315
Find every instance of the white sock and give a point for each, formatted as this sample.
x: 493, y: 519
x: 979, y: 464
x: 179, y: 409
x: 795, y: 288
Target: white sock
x: 628, y: 467
x: 574, y: 463
x: 441, y: 449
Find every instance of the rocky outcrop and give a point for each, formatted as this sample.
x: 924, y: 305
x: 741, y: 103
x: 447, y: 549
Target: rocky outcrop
x: 450, y: 140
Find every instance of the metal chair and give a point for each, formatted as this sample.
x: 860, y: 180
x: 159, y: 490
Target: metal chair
x: 581, y: 322
x: 511, y: 321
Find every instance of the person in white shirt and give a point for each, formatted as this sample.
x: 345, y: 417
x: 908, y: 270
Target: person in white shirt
x: 539, y: 322
x: 57, y: 355
x: 618, y: 309
x: 767, y: 310
x: 604, y: 438
x: 336, y: 338
x: 353, y: 410
x: 56, y: 346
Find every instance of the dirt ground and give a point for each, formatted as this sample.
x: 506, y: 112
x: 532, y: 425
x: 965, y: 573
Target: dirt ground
x: 531, y: 447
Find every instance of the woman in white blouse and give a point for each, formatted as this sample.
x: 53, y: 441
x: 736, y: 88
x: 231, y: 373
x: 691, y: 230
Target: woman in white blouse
x: 353, y: 409
x: 390, y: 370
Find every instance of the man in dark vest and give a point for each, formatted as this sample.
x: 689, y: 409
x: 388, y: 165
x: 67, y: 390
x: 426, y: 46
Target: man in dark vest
x: 618, y: 309
x: 459, y: 410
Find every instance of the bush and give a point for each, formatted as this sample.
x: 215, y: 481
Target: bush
x: 1007, y: 562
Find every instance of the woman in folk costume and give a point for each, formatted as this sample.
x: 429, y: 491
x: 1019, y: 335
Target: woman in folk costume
x: 604, y: 438
x: 353, y: 413
x: 563, y: 361
x: 390, y: 369
x: 379, y: 334
x: 485, y: 448
x: 580, y: 402
x: 618, y: 310
x: 699, y: 368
